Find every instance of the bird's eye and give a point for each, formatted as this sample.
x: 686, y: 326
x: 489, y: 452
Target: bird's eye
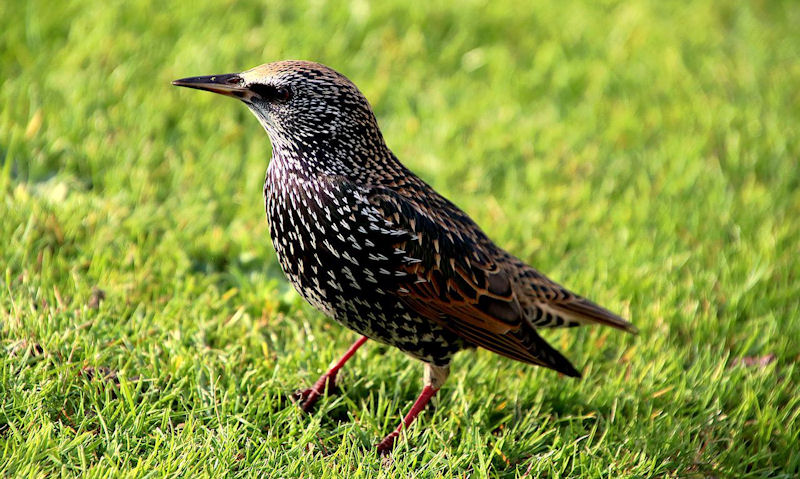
x: 283, y: 94
x: 272, y: 93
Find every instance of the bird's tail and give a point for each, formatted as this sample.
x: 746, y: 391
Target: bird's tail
x: 583, y: 311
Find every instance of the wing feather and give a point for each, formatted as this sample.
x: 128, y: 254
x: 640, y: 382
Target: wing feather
x: 455, y: 282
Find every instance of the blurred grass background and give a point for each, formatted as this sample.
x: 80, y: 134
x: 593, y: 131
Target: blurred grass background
x: 644, y: 153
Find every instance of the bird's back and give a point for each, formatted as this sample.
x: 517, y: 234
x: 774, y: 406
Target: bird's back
x: 461, y: 280
x: 544, y: 302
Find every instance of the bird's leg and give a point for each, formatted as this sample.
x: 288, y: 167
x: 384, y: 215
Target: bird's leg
x: 435, y: 376
x: 328, y: 380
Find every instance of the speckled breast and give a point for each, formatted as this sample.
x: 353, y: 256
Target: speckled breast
x: 337, y: 252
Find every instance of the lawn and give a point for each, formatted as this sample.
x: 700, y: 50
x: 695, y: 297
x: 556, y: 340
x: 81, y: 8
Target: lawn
x: 643, y: 153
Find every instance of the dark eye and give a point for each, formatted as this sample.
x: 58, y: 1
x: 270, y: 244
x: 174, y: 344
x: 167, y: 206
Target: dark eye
x: 272, y: 93
x: 283, y: 94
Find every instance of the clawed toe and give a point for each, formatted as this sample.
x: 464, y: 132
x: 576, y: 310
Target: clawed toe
x: 387, y: 445
x: 306, y: 398
x: 301, y: 396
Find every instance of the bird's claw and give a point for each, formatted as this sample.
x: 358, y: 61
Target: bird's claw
x: 306, y: 398
x: 387, y: 445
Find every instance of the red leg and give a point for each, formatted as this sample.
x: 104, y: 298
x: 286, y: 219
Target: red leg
x: 434, y: 378
x: 328, y: 380
x: 425, y: 396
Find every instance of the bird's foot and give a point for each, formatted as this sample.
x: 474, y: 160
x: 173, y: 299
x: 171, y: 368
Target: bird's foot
x: 385, y: 447
x: 327, y: 382
x: 306, y: 398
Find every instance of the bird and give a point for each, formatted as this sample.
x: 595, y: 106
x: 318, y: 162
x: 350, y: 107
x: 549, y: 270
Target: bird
x: 374, y: 247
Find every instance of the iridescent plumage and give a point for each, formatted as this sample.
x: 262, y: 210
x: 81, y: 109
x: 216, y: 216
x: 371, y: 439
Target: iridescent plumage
x: 374, y: 247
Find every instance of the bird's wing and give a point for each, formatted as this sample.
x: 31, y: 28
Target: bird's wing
x: 450, y: 275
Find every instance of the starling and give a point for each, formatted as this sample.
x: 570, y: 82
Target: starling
x: 374, y: 247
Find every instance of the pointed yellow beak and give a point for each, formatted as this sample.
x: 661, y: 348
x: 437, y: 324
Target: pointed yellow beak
x: 230, y: 84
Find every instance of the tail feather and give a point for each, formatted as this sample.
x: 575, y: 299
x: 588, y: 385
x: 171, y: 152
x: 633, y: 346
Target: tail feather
x: 550, y: 305
x: 584, y: 311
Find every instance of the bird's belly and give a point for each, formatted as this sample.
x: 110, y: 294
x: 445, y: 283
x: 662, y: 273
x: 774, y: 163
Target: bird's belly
x: 335, y: 290
x: 321, y: 266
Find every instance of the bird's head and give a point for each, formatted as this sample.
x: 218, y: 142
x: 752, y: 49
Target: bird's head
x: 301, y: 104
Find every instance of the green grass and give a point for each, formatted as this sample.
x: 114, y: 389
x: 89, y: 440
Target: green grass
x: 644, y: 154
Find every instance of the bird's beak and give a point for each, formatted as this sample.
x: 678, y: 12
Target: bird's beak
x: 230, y: 84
